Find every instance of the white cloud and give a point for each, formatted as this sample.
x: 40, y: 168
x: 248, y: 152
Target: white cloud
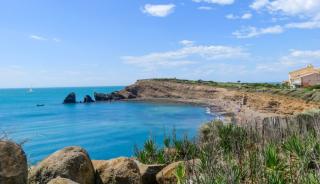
x: 295, y: 7
x: 249, y: 32
x: 231, y: 16
x: 221, y: 2
x: 307, y: 11
x: 309, y: 8
x: 293, y: 60
x: 204, y: 8
x: 186, y: 42
x: 185, y: 56
x: 39, y: 38
x: 258, y: 4
x: 313, y: 24
x: 244, y: 16
x: 160, y: 10
x: 306, y: 54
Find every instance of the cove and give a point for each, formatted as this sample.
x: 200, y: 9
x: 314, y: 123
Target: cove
x: 105, y: 130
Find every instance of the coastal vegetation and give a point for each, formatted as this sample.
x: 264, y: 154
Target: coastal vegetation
x: 237, y: 84
x: 242, y: 154
x: 309, y: 94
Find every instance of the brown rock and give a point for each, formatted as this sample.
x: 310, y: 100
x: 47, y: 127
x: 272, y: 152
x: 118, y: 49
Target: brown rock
x: 71, y: 162
x: 13, y: 164
x: 117, y: 171
x: 148, y: 172
x: 60, y: 180
x: 166, y: 175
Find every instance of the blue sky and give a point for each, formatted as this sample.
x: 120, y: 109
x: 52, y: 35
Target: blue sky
x: 115, y: 42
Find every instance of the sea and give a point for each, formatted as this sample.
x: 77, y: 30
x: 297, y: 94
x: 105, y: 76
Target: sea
x: 42, y: 124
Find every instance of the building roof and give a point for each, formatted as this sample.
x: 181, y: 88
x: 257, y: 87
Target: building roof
x: 310, y: 69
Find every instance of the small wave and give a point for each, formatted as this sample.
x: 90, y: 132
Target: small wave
x: 208, y: 111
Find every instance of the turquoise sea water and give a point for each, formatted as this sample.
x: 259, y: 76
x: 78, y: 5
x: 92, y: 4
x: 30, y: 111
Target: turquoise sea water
x: 105, y: 130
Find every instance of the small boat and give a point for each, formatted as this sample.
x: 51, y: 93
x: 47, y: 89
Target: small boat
x: 30, y: 90
x: 40, y: 105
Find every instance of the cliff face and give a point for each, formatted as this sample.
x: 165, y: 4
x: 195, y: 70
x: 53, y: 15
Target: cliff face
x: 168, y: 89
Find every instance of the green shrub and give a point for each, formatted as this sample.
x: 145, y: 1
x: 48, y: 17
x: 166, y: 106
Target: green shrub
x: 173, y: 150
x: 240, y: 155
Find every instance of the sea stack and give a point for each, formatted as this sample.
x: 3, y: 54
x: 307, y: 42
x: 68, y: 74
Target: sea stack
x: 70, y: 99
x: 88, y: 99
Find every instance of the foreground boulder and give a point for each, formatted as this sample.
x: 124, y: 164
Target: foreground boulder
x: 60, y: 180
x: 13, y: 164
x: 70, y: 99
x: 167, y: 174
x: 117, y: 171
x: 71, y: 162
x: 88, y: 99
x: 148, y: 172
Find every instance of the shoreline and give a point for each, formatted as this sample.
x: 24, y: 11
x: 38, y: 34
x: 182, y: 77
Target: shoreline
x: 216, y: 110
x: 240, y: 106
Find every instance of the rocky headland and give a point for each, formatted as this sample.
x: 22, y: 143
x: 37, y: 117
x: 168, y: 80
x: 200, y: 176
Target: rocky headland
x: 236, y: 104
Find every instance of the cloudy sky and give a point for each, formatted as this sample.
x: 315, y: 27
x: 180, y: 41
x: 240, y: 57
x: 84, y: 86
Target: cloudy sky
x: 115, y: 42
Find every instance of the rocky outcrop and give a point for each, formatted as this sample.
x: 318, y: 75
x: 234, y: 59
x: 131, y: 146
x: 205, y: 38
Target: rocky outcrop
x: 70, y: 99
x: 88, y: 99
x: 100, y: 97
x: 148, y: 172
x: 13, y: 164
x: 166, y: 175
x: 71, y: 162
x: 117, y: 171
x: 108, y: 97
x: 60, y: 180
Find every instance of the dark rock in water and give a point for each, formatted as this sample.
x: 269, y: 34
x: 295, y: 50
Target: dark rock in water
x: 116, y: 96
x: 88, y: 99
x: 108, y: 97
x: 13, y: 163
x: 70, y: 99
x: 101, y: 97
x: 129, y: 92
